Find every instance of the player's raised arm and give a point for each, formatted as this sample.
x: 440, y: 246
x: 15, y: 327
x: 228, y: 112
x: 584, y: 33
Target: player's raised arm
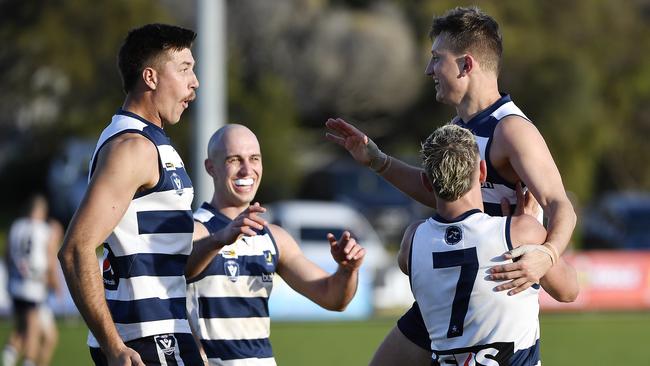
x: 532, y: 162
x: 408, y: 179
x: 330, y: 291
x: 124, y: 165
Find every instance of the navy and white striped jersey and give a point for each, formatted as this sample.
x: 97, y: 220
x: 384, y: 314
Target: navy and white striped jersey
x: 28, y: 241
x: 228, y: 301
x: 467, y: 321
x: 144, y: 257
x: 482, y: 126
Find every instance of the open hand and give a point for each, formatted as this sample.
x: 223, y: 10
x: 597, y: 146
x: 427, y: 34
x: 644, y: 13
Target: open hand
x: 362, y: 149
x: 346, y: 251
x: 534, y: 262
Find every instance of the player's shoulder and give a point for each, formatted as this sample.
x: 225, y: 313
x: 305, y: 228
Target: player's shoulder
x: 281, y: 236
x: 514, y: 124
x: 515, y: 132
x: 129, y: 147
x: 525, y: 229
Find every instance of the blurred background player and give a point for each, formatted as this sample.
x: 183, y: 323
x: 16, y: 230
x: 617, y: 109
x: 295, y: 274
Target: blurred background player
x: 228, y: 293
x: 448, y: 256
x: 465, y: 64
x: 33, y: 270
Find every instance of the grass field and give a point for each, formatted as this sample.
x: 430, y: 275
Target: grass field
x: 567, y: 339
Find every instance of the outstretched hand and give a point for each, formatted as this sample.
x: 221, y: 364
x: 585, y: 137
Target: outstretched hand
x: 244, y: 224
x: 362, y: 149
x: 346, y: 251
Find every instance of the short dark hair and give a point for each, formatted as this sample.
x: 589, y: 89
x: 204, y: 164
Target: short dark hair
x: 470, y: 29
x: 144, y: 46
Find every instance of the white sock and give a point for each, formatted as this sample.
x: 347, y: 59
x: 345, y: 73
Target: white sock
x: 9, y: 356
x: 28, y: 363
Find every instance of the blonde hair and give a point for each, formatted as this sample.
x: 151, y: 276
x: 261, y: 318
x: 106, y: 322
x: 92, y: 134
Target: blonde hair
x: 449, y: 158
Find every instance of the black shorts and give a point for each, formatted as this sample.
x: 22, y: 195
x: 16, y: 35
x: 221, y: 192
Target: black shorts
x: 411, y: 324
x: 22, y: 306
x: 161, y: 349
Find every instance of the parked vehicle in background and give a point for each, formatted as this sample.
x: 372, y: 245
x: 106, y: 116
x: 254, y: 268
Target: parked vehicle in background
x: 388, y: 210
x: 309, y: 222
x: 619, y: 220
x: 67, y: 178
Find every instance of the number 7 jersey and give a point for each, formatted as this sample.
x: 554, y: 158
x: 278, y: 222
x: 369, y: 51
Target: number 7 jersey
x: 467, y: 321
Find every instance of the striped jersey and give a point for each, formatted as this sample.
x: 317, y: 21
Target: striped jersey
x: 144, y: 257
x: 482, y: 126
x: 467, y: 321
x: 228, y: 301
x: 28, y: 241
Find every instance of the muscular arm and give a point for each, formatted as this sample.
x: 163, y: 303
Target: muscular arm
x: 561, y: 281
x: 532, y: 162
x: 519, y: 152
x: 332, y: 292
x: 124, y: 165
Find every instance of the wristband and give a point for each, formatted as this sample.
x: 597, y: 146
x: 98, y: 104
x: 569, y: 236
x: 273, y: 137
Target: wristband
x: 385, y: 166
x: 555, y: 256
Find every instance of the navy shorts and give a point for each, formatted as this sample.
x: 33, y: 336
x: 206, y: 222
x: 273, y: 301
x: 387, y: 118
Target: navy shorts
x: 21, y: 306
x: 411, y: 324
x: 161, y: 349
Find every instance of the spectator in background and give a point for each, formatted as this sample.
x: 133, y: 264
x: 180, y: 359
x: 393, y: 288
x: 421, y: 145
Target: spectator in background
x: 31, y: 258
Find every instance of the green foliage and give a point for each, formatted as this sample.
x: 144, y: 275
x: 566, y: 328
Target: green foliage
x: 263, y: 103
x: 576, y: 68
x: 60, y: 79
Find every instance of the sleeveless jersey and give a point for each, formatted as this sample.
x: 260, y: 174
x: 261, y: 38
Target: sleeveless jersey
x: 144, y: 257
x: 467, y: 321
x: 28, y: 240
x: 228, y: 301
x: 482, y: 126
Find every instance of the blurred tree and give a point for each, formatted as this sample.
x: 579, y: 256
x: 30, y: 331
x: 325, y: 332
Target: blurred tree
x: 576, y: 68
x: 265, y: 105
x: 60, y: 79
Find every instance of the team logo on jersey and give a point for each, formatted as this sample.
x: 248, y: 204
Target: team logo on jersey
x: 111, y: 279
x: 232, y: 270
x: 178, y: 183
x: 453, y: 235
x: 166, y: 343
x: 268, y: 257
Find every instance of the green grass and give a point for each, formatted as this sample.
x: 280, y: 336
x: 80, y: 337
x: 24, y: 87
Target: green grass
x: 567, y: 339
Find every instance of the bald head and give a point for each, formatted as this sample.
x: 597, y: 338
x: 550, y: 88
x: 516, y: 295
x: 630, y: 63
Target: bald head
x: 226, y: 136
x: 235, y: 164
